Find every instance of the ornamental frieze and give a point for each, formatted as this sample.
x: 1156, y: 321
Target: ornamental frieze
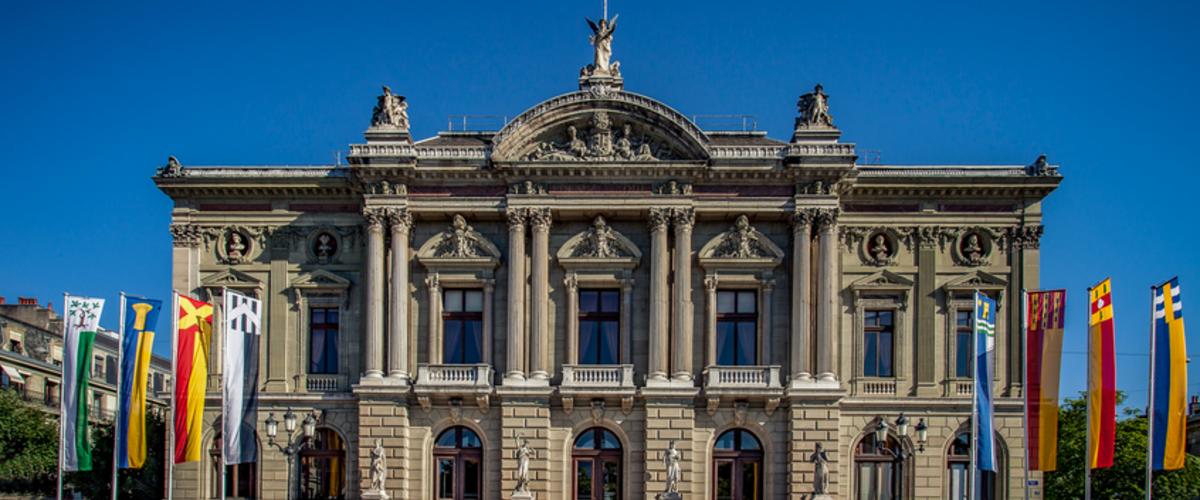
x: 186, y: 235
x: 602, y: 141
x: 970, y: 246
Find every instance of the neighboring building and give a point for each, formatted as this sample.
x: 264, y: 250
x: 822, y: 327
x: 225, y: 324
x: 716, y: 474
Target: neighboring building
x: 604, y: 277
x: 31, y: 361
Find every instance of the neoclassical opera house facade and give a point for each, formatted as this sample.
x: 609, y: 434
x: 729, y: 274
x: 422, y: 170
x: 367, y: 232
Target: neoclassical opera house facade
x: 540, y: 311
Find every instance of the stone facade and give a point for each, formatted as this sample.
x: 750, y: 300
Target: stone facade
x: 603, y: 189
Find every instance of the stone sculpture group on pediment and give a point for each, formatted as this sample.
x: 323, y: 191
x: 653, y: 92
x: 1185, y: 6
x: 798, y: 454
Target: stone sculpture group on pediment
x: 601, y: 143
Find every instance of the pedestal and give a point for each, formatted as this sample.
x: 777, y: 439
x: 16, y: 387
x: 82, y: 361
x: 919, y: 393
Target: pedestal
x: 674, y: 495
x: 375, y: 495
x: 522, y: 496
x: 821, y: 497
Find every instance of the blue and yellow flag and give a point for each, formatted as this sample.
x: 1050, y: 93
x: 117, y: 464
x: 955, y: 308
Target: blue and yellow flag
x: 141, y: 316
x: 985, y: 360
x: 1168, y: 400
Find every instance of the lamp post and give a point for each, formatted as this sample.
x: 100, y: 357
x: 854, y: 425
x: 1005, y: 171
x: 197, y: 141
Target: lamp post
x: 293, y: 446
x: 899, y: 456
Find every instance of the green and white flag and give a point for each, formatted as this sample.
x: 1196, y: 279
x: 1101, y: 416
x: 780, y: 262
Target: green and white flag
x: 79, y: 334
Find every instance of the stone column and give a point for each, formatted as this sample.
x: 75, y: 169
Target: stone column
x: 659, y: 267
x: 626, y: 321
x: 764, y: 339
x: 434, y: 341
x: 400, y: 221
x: 374, y: 278
x: 572, y: 285
x: 516, y: 294
x: 682, y: 321
x: 539, y: 288
x: 801, y: 294
x: 710, y: 321
x: 827, y: 281
x: 489, y: 301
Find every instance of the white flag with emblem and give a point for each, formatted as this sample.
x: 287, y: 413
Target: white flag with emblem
x: 243, y: 326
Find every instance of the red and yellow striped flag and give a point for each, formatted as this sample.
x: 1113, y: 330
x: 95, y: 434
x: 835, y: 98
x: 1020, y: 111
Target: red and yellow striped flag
x: 191, y: 375
x: 1102, y: 386
x: 1044, y: 333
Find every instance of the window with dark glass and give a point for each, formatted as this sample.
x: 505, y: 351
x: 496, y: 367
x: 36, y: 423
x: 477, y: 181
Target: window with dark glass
x: 98, y: 367
x: 738, y: 462
x: 737, y: 327
x: 597, y: 455
x: 462, y: 322
x: 239, y: 478
x: 51, y: 394
x: 15, y: 346
x: 962, y: 344
x: 599, y: 327
x: 323, y: 467
x: 877, y: 473
x: 110, y: 370
x: 457, y: 458
x: 323, y: 350
x: 877, y: 344
x: 958, y: 467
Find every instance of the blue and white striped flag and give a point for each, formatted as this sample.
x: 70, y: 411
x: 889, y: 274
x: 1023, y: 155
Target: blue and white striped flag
x: 985, y: 360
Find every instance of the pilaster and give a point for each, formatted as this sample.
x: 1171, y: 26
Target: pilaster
x: 801, y: 294
x: 374, y: 277
x: 659, y: 269
x: 516, y: 295
x: 681, y: 322
x: 279, y: 339
x: 539, y: 305
x: 827, y: 296
x: 926, y: 373
x: 401, y: 222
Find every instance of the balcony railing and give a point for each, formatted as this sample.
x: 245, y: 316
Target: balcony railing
x: 323, y: 383
x: 743, y: 377
x: 597, y: 376
x: 964, y: 388
x: 880, y: 388
x: 455, y: 376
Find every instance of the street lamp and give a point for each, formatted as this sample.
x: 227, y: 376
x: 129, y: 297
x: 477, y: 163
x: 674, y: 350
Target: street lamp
x: 293, y: 446
x: 900, y: 456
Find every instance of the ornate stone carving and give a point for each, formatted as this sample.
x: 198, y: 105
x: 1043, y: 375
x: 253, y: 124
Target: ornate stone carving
x: 1040, y: 168
x: 432, y: 282
x: 671, y: 459
x: 673, y: 188
x: 383, y: 188
x: 378, y: 468
x: 659, y: 219
x: 400, y: 219
x: 185, y: 235
x: 456, y: 410
x: 174, y: 169
x: 820, y: 470
x: 568, y: 404
x: 597, y: 411
x: 540, y: 219
x: 802, y: 219
x: 814, y: 110
x: 375, y: 217
x: 1026, y: 237
x: 601, y: 242
x: 527, y: 187
x: 740, y: 410
x: 710, y: 283
x: 325, y: 248
x: 598, y: 143
x: 235, y: 247
x: 516, y: 219
x: 391, y: 111
x: 524, y: 455
x: 973, y: 249
x: 601, y: 38
x: 684, y: 219
x: 236, y: 250
x: 741, y: 242
x: 460, y: 242
x: 571, y: 282
x: 826, y: 218
x: 817, y: 187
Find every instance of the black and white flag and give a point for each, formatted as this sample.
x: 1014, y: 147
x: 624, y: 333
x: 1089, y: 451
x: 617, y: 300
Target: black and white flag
x: 243, y: 326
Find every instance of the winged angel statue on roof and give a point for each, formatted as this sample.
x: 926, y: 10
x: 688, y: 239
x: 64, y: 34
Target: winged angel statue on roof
x: 602, y: 40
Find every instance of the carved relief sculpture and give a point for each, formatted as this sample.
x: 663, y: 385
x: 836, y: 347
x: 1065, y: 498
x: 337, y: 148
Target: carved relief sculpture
x: 814, y: 110
x: 235, y: 248
x: 326, y: 246
x: 972, y: 251
x: 673, y: 188
x: 174, y: 169
x: 740, y: 242
x: 391, y: 111
x: 599, y: 144
x: 879, y: 248
x: 601, y: 38
x: 821, y: 471
x: 185, y: 235
x: 600, y: 242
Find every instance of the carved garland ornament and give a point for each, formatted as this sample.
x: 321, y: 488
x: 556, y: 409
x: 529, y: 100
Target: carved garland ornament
x: 185, y: 235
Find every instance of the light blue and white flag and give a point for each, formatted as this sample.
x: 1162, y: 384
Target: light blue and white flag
x: 985, y: 360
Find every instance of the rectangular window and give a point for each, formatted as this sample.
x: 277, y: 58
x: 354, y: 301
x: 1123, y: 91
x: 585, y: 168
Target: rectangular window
x: 962, y: 344
x: 599, y: 327
x: 462, y: 327
x: 98, y: 367
x: 323, y: 347
x: 737, y: 327
x: 877, y: 344
x: 110, y: 370
x: 15, y: 346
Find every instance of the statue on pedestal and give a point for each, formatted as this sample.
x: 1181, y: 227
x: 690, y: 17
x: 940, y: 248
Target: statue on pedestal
x: 814, y: 110
x: 391, y: 111
x: 524, y: 455
x: 378, y: 473
x: 602, y: 35
x: 671, y: 459
x: 821, y: 472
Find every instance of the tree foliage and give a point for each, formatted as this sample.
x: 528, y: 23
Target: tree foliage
x: 28, y: 447
x: 1126, y: 479
x: 144, y: 483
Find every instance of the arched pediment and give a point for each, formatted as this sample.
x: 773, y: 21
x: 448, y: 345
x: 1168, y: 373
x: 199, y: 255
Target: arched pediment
x: 459, y: 245
x: 600, y: 247
x: 600, y: 125
x: 741, y: 246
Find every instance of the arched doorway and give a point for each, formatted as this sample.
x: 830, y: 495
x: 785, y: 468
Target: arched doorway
x: 738, y: 462
x: 958, y: 470
x: 241, y: 480
x: 597, y: 456
x: 878, y: 474
x: 457, y: 455
x: 323, y: 467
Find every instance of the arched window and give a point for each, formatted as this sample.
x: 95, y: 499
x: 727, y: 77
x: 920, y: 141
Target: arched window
x: 958, y: 467
x: 597, y: 454
x: 240, y: 479
x: 738, y: 460
x: 458, y: 454
x: 878, y: 475
x: 323, y: 467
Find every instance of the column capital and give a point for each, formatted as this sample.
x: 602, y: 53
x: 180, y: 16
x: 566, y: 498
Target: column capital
x: 399, y: 219
x: 540, y: 219
x: 375, y: 217
x: 432, y: 281
x: 1026, y: 237
x: 489, y: 285
x: 684, y: 219
x: 826, y: 218
x: 516, y: 219
x: 802, y: 219
x: 710, y: 283
x: 185, y: 235
x: 768, y: 286
x: 627, y: 285
x: 571, y: 282
x: 659, y: 219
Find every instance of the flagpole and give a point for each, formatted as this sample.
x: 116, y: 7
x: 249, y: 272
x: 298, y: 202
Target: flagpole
x: 62, y: 410
x: 1087, y: 398
x: 1025, y: 379
x: 224, y: 417
x: 117, y: 425
x: 171, y: 395
x: 974, y: 395
x: 1150, y: 406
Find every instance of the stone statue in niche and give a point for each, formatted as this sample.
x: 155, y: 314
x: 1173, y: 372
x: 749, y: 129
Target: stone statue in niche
x: 879, y: 249
x: 602, y: 143
x: 235, y: 248
x: 325, y: 247
x: 601, y: 38
x: 972, y: 249
x: 391, y: 110
x: 524, y: 455
x: 378, y: 466
x: 671, y: 459
x: 814, y: 110
x: 821, y: 471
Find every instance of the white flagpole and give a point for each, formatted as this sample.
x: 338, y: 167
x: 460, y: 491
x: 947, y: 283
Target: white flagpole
x: 171, y: 404
x: 117, y: 425
x: 974, y: 392
x: 1087, y: 400
x: 1025, y: 380
x: 62, y: 409
x: 224, y: 417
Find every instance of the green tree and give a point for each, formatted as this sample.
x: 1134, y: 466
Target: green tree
x: 28, y: 447
x: 1126, y: 479
x: 145, y: 483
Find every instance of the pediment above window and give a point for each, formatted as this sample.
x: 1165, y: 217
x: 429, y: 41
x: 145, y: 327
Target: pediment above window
x: 977, y: 280
x: 882, y: 283
x: 232, y: 279
x: 459, y: 247
x: 321, y: 279
x: 599, y: 248
x: 741, y: 247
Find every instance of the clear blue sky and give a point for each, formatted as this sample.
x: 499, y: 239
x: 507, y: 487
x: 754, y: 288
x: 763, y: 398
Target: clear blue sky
x: 96, y: 95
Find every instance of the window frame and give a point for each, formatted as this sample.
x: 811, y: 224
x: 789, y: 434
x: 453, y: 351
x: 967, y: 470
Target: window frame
x: 312, y: 452
x: 312, y: 327
x: 598, y: 455
x: 986, y: 477
x: 599, y: 317
x: 878, y: 330
x: 901, y: 476
x: 891, y: 297
x: 231, y: 480
x: 738, y: 318
x: 738, y: 457
x: 459, y: 455
x: 462, y: 317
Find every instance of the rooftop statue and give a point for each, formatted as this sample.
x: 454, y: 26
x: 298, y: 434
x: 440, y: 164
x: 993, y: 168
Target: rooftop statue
x: 390, y: 112
x: 602, y: 41
x: 814, y: 110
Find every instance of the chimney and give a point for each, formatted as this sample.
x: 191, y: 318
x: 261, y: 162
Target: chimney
x: 50, y: 306
x: 1, y: 301
x: 27, y: 301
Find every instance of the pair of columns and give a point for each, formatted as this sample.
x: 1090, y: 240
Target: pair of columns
x: 400, y: 223
x: 681, y: 314
x: 807, y: 222
x: 538, y: 366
